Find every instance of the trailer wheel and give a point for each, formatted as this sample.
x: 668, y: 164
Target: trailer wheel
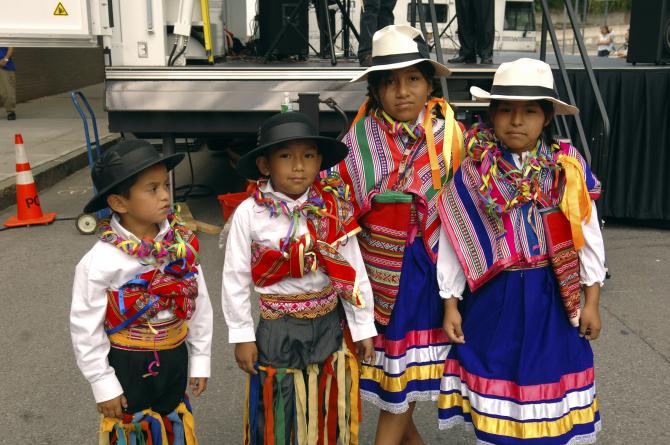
x: 86, y: 223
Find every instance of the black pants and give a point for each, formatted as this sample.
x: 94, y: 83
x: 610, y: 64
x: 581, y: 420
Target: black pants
x: 475, y: 27
x: 376, y: 15
x: 161, y: 393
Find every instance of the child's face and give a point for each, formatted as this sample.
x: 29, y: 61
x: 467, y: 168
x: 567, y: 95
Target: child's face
x: 519, y: 124
x: 292, y: 166
x: 148, y: 202
x: 404, y: 92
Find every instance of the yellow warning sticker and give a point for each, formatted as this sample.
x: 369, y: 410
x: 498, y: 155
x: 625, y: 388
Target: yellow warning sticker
x: 60, y: 9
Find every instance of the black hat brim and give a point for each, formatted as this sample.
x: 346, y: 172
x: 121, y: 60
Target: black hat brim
x: 332, y: 152
x: 99, y: 201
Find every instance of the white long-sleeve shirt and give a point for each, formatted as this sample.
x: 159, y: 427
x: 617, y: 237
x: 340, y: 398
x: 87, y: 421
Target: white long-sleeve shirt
x: 252, y: 222
x: 451, y: 278
x: 107, y: 267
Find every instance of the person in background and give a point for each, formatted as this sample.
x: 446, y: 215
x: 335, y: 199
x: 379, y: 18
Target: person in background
x: 475, y: 31
x: 8, y: 82
x: 605, y: 41
x: 376, y: 14
x: 622, y: 51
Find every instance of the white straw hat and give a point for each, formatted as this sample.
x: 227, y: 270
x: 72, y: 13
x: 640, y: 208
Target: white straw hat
x: 524, y: 79
x: 399, y: 46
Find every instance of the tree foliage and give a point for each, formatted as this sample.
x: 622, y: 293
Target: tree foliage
x: 594, y: 6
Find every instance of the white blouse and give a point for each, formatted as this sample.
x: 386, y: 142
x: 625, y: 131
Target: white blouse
x: 451, y: 278
x: 106, y: 267
x: 252, y: 222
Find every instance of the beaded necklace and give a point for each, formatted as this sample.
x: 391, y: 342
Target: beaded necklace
x: 173, y: 246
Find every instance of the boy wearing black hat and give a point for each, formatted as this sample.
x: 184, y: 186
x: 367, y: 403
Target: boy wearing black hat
x: 138, y: 297
x: 294, y: 242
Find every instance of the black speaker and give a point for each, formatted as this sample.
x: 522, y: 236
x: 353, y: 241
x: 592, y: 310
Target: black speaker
x: 274, y: 15
x: 649, y: 39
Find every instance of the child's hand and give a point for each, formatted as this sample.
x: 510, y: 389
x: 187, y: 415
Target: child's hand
x: 198, y: 385
x: 366, y: 350
x: 589, y: 322
x: 452, y: 322
x: 246, y: 355
x: 113, y: 408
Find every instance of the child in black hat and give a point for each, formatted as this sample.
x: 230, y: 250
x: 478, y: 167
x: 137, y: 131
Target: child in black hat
x: 138, y: 297
x: 294, y: 242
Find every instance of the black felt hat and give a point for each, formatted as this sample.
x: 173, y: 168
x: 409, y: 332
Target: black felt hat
x: 122, y: 161
x: 285, y: 127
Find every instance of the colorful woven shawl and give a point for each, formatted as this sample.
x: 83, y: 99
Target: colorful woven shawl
x: 329, y: 221
x: 377, y: 154
x: 491, y: 210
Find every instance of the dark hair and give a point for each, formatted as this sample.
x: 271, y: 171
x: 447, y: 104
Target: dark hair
x: 376, y: 78
x: 547, y: 107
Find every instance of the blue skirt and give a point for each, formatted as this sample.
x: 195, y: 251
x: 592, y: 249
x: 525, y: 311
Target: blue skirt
x: 523, y: 376
x: 409, y: 351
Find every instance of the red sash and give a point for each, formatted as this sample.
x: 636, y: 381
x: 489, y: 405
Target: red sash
x: 140, y: 299
x: 316, y: 249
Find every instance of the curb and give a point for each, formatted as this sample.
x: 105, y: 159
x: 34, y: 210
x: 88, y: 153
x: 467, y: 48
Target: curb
x: 53, y: 171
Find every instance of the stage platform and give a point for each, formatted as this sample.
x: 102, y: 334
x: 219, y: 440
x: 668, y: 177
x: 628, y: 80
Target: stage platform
x: 229, y: 100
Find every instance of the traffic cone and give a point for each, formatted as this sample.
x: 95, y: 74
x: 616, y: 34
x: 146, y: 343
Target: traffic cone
x: 29, y: 211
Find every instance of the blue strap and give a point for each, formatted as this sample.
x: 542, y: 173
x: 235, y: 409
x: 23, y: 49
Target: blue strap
x: 133, y: 282
x: 254, y: 401
x: 139, y: 313
x: 120, y: 435
x: 156, y: 430
x: 175, y: 267
x: 177, y: 428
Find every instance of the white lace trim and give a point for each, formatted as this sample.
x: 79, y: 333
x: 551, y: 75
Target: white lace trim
x: 399, y: 408
x: 582, y: 439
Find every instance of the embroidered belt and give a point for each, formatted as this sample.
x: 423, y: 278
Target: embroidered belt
x: 300, y: 305
x: 151, y: 336
x: 525, y: 266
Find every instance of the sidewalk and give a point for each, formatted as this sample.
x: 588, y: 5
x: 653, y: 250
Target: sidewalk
x: 53, y: 135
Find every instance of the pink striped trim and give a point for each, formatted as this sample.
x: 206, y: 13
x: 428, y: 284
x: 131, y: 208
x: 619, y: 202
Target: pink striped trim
x: 521, y: 393
x: 412, y: 339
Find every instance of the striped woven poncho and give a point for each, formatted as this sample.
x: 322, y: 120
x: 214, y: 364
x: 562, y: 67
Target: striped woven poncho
x: 493, y: 226
x: 375, y: 155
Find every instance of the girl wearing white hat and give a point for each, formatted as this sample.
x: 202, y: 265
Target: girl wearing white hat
x: 404, y: 145
x: 520, y: 229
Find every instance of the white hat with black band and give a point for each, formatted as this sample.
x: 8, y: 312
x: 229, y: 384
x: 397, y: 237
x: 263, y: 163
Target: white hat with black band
x: 399, y: 46
x: 524, y: 79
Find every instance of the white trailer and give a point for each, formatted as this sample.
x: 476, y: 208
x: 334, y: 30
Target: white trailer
x: 158, y: 81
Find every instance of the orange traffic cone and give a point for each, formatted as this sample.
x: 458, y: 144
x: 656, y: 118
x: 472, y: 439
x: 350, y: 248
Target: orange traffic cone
x: 29, y: 211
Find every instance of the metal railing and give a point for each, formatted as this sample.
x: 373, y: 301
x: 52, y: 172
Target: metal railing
x: 603, y: 132
x: 601, y: 135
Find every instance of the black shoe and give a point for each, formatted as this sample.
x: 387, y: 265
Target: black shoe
x: 462, y: 59
x: 486, y: 61
x: 11, y: 116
